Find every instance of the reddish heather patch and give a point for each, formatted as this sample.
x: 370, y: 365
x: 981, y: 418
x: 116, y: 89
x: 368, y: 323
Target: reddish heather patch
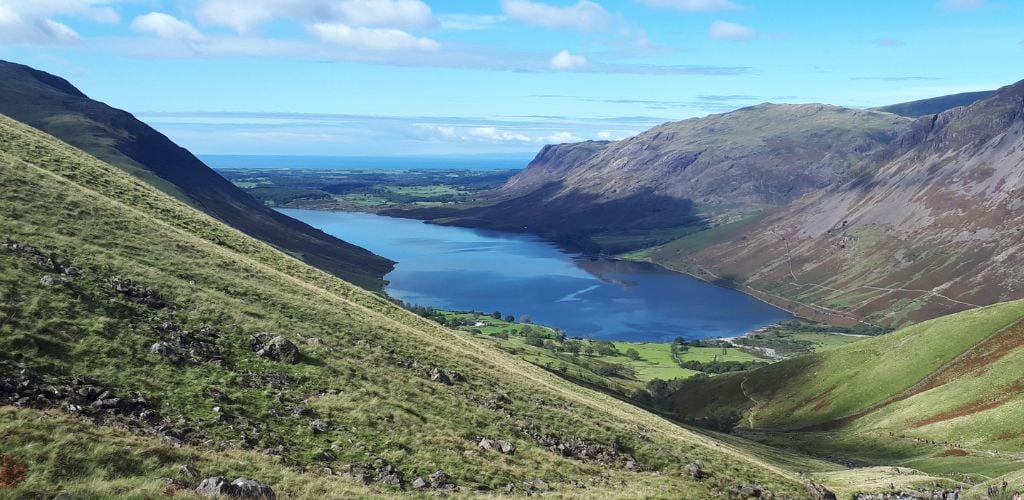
x: 975, y: 364
x: 955, y: 452
x: 986, y: 353
x: 1006, y: 394
x: 1008, y: 435
x: 12, y: 472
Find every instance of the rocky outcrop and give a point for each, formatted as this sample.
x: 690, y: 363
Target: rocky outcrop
x: 436, y: 481
x: 49, y: 261
x: 379, y: 472
x: 748, y: 491
x: 275, y: 347
x: 696, y: 471
x: 81, y: 395
x: 497, y: 445
x: 922, y: 494
x: 446, y: 377
x: 819, y: 492
x: 191, y: 346
x: 138, y: 293
x: 241, y: 488
x: 587, y: 451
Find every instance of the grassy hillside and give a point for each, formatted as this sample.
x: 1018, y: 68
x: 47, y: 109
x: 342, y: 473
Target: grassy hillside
x: 132, y: 343
x: 943, y: 396
x: 51, y: 104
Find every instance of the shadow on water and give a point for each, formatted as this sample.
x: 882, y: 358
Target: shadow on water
x: 466, y: 269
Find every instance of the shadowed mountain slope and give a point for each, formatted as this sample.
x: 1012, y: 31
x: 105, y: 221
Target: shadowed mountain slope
x: 755, y: 157
x: 935, y: 105
x: 53, y: 105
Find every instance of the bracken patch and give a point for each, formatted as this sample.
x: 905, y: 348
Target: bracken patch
x: 973, y: 407
x: 12, y: 472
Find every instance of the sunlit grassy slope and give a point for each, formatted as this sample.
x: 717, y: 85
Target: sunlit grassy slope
x: 945, y: 396
x: 361, y: 370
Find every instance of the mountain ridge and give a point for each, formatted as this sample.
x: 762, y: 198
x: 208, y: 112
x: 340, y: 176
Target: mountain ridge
x: 922, y: 234
x: 54, y: 105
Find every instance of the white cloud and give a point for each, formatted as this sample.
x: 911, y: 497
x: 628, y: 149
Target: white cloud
x: 692, y: 5
x: 962, y: 4
x: 562, y: 137
x: 166, y: 26
x: 33, y: 21
x: 495, y: 134
x: 724, y: 30
x: 372, y: 39
x: 566, y: 61
x: 467, y: 22
x: 604, y: 135
x: 405, y: 13
x: 583, y: 15
x: 244, y: 15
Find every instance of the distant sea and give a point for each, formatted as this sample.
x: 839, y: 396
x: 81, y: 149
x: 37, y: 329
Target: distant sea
x: 503, y: 162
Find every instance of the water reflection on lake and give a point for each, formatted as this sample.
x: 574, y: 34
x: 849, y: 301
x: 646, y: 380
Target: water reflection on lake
x: 467, y: 269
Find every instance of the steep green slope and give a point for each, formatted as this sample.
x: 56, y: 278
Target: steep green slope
x: 53, y: 105
x: 938, y: 395
x: 123, y: 307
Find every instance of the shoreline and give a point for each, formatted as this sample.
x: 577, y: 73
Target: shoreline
x: 579, y: 253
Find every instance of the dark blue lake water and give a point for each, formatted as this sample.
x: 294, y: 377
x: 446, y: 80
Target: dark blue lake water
x: 466, y: 269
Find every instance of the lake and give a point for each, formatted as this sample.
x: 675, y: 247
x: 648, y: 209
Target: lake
x: 467, y: 269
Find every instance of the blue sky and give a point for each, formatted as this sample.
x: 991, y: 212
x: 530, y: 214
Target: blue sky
x: 418, y: 77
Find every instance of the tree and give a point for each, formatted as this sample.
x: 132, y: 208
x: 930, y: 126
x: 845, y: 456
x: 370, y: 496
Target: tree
x: 496, y: 314
x: 535, y: 341
x: 525, y: 318
x: 632, y: 354
x: 510, y: 318
x: 659, y: 390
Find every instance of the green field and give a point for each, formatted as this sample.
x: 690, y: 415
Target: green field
x: 363, y: 190
x: 797, y: 337
x: 655, y: 360
x: 426, y: 191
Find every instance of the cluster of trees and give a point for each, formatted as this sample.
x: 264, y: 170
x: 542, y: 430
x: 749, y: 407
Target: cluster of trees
x: 802, y: 325
x: 661, y: 394
x: 452, y: 321
x: 716, y: 366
